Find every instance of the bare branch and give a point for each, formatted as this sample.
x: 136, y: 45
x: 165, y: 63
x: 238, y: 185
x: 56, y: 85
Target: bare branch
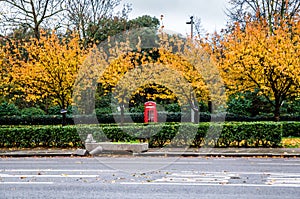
x: 29, y: 13
x: 266, y: 9
x: 82, y: 14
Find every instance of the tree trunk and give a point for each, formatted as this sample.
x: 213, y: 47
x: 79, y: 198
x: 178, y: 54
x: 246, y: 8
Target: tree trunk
x: 64, y: 118
x: 63, y: 111
x: 194, y: 113
x: 277, y: 110
x: 209, y: 104
x: 194, y: 109
x: 196, y: 116
x: 122, y: 114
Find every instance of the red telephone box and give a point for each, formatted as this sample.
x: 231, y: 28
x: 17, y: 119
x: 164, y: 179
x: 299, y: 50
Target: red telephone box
x: 150, y: 112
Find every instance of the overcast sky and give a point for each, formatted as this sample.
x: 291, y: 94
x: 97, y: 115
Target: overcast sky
x: 177, y: 13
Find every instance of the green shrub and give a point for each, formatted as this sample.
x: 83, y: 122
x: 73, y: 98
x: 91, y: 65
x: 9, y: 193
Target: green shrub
x: 7, y: 109
x: 173, y: 107
x: 44, y: 136
x: 32, y: 111
x: 101, y: 111
x: 291, y: 129
x: 34, y: 120
x: 137, y: 109
x: 102, y: 118
x: 228, y: 134
x: 54, y: 110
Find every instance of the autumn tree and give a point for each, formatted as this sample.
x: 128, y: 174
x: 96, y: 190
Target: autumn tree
x: 9, y: 56
x: 5, y: 72
x: 199, y: 31
x: 127, y: 78
x: 255, y: 58
x: 49, y: 70
x: 187, y: 71
x: 143, y: 21
x: 128, y: 64
x: 90, y: 17
x: 32, y: 15
x: 269, y: 10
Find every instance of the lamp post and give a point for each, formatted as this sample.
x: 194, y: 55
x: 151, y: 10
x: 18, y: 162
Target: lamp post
x: 192, y: 26
x: 64, y: 116
x: 194, y: 117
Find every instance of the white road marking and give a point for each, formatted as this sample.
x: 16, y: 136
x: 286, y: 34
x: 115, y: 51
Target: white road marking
x: 240, y: 173
x: 26, y: 183
x: 58, y: 170
x: 99, y: 161
x: 210, y: 184
x: 285, y: 174
x: 283, y: 179
x: 46, y: 176
x: 172, y: 162
x: 181, y: 180
x: 195, y: 177
x: 206, y: 175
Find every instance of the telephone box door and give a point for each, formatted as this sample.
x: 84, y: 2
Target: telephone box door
x: 150, y: 112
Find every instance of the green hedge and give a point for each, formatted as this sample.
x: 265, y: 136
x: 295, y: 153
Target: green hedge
x: 229, y: 134
x: 291, y: 129
x: 129, y: 117
x: 39, y: 136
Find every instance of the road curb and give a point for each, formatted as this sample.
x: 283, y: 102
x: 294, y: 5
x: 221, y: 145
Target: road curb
x: 154, y: 154
x: 79, y: 152
x: 190, y: 154
x: 35, y: 154
x: 283, y: 153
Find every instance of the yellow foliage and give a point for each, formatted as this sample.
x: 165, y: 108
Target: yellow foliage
x: 60, y: 71
x: 49, y: 68
x: 255, y: 58
x: 160, y: 75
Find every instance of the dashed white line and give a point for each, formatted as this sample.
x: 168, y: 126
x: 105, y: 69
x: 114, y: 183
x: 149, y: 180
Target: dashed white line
x: 58, y: 170
x: 181, y: 180
x: 26, y: 183
x: 210, y: 184
x: 46, y: 176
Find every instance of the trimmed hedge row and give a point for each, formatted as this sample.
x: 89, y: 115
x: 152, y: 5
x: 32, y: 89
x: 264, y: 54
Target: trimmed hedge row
x: 129, y: 117
x: 229, y: 134
x: 39, y: 136
x: 291, y: 129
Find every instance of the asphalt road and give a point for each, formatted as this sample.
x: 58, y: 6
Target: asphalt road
x: 149, y: 177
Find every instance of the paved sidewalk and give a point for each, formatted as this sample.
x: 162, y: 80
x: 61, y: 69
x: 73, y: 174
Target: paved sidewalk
x: 165, y: 152
x: 227, y: 152
x: 36, y: 152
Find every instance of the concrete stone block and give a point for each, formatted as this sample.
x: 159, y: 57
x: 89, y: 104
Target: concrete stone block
x: 110, y: 146
x: 96, y: 150
x: 81, y: 152
x: 91, y: 146
x: 133, y: 147
x: 90, y: 139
